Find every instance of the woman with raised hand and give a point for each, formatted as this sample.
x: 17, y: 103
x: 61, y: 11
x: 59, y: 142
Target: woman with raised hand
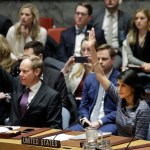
x: 132, y: 116
x: 27, y: 29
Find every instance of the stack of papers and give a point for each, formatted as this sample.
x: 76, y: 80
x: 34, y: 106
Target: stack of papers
x: 7, y: 128
x: 63, y: 137
x: 60, y: 137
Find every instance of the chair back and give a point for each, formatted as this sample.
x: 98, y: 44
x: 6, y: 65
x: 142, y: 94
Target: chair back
x: 55, y: 33
x: 46, y: 22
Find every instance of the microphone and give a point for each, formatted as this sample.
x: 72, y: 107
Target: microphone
x: 134, y: 135
x: 76, y: 121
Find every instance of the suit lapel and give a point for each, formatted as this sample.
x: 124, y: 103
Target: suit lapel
x: 72, y: 38
x: 101, y: 15
x: 120, y: 21
x: 18, y: 95
x: 95, y: 88
x: 46, y: 75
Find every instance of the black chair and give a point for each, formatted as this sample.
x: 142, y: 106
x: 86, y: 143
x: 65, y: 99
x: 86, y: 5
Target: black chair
x: 54, y: 63
x: 51, y: 48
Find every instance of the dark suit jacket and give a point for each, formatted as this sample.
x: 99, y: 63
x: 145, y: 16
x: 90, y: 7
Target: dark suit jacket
x: 5, y: 24
x: 89, y: 97
x: 52, y: 77
x: 55, y: 79
x: 44, y: 110
x: 123, y: 23
x: 67, y: 42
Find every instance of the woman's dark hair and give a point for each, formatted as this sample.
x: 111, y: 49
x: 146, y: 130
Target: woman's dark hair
x: 131, y: 78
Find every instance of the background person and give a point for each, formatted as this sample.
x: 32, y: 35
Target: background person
x: 5, y: 24
x: 75, y: 73
x: 6, y: 61
x: 70, y: 41
x: 27, y: 29
x: 115, y: 23
x: 137, y: 44
x: 97, y: 107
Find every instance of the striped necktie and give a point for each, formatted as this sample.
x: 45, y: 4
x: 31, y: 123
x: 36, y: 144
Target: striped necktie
x: 109, y: 31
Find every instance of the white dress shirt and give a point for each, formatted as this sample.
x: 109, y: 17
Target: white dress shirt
x: 78, y: 40
x: 98, y: 111
x: 34, y: 89
x: 115, y: 42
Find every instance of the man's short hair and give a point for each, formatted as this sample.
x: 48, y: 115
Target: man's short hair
x: 112, y: 51
x: 87, y: 6
x: 36, y: 62
x: 37, y: 47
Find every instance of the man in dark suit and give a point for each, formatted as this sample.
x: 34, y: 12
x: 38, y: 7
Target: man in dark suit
x: 52, y: 77
x: 5, y: 24
x: 42, y: 107
x: 120, y: 25
x: 70, y: 41
x: 97, y: 109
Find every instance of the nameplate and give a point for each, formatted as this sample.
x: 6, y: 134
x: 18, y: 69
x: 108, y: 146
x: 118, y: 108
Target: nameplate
x: 40, y: 142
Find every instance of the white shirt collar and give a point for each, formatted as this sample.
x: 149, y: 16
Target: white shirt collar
x: 109, y: 73
x: 36, y: 86
x: 77, y: 28
x: 115, y: 14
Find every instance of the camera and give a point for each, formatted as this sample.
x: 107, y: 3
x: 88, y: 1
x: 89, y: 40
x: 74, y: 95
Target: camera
x: 81, y: 59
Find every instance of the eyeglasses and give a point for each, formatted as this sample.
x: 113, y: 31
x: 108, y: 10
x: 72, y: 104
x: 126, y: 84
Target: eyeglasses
x: 80, y: 13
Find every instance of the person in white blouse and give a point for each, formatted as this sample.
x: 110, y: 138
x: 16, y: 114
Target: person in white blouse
x: 27, y: 29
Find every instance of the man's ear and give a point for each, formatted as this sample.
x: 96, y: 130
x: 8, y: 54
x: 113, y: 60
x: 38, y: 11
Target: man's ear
x: 90, y: 17
x: 41, y: 56
x: 38, y: 71
x: 113, y: 58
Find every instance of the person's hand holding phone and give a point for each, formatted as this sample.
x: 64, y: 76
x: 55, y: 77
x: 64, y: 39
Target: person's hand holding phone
x: 81, y: 59
x: 68, y: 65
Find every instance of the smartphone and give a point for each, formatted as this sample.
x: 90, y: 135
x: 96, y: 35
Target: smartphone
x: 81, y: 59
x: 27, y: 130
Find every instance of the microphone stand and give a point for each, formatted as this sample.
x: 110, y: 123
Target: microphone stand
x: 134, y: 136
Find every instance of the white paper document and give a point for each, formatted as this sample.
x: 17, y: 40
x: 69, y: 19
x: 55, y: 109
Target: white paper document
x: 63, y: 137
x: 7, y: 128
x: 60, y: 137
x: 83, y: 136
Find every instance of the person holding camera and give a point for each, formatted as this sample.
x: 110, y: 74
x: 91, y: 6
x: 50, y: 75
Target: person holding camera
x: 76, y: 69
